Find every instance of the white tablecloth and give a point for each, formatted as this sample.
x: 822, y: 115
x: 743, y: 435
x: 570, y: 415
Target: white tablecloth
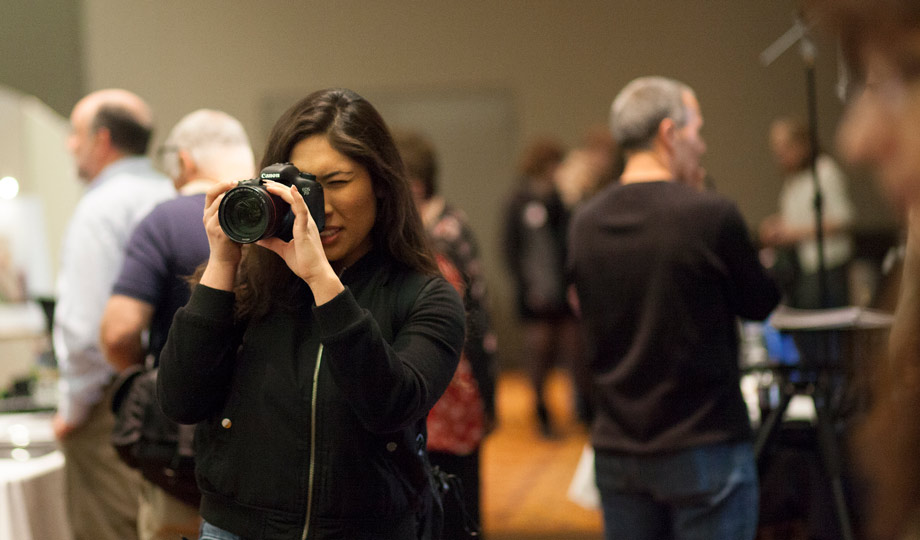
x: 32, y: 496
x: 32, y: 500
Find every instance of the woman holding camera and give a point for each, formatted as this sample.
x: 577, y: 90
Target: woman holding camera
x: 310, y: 365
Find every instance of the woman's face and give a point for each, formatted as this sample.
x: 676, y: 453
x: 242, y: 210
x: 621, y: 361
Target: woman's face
x: 790, y: 155
x: 351, y: 206
x: 881, y: 127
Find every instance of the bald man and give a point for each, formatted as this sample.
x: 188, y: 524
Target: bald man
x: 110, y: 133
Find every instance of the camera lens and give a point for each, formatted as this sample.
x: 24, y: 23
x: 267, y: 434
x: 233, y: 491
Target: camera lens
x: 247, y: 214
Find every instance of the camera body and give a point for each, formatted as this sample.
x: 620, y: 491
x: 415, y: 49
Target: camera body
x: 248, y: 212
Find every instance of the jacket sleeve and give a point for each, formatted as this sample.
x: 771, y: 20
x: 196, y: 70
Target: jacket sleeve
x: 196, y: 363
x: 480, y: 344
x: 393, y: 386
x: 754, y: 293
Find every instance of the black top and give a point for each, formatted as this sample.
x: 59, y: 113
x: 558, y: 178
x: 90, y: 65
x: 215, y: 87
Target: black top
x: 308, y: 419
x: 662, y: 271
x: 534, y: 242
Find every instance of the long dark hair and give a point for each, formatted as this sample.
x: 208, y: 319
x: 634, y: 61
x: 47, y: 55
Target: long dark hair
x: 354, y: 128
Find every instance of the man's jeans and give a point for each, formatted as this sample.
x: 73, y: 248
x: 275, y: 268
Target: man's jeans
x: 703, y: 493
x: 210, y: 532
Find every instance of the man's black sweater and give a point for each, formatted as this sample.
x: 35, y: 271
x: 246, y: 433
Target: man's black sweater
x: 662, y: 273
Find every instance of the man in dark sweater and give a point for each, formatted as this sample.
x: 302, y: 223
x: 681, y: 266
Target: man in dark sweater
x: 204, y: 148
x: 662, y: 270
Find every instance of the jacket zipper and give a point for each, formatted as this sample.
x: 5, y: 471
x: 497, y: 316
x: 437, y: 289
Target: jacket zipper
x: 306, y: 523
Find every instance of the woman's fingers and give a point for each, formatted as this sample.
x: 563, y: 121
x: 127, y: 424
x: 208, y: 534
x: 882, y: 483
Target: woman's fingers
x: 292, y: 196
x: 273, y: 244
x: 298, y: 205
x: 275, y: 188
x: 215, y: 191
x: 212, y: 200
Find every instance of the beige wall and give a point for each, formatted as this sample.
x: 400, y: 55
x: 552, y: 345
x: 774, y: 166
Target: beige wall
x: 561, y: 60
x: 41, y: 51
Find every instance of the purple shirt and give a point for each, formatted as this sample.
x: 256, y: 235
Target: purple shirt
x: 165, y: 249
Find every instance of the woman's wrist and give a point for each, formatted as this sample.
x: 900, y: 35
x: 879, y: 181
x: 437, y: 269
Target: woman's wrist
x: 325, y: 286
x: 219, y: 275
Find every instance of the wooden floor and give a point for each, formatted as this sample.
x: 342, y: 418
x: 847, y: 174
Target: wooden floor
x: 525, y: 477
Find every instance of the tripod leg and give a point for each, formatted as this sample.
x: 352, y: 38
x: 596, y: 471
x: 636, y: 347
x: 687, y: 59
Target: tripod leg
x: 769, y: 426
x: 830, y: 456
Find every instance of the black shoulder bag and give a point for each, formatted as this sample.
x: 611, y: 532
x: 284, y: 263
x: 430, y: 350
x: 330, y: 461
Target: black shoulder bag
x: 147, y: 440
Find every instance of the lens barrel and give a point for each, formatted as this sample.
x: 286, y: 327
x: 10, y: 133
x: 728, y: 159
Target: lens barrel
x: 249, y: 213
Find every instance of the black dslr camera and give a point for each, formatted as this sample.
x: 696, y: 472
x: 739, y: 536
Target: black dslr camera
x: 249, y: 212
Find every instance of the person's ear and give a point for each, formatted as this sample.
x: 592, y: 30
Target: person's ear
x: 667, y: 131
x: 102, y: 137
x: 187, y: 167
x: 188, y: 170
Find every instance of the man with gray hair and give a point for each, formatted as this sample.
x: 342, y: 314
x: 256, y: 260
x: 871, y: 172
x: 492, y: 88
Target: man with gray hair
x: 204, y: 148
x: 662, y: 270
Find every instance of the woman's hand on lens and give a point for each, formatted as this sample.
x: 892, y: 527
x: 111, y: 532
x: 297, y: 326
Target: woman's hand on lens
x: 225, y: 253
x: 304, y: 253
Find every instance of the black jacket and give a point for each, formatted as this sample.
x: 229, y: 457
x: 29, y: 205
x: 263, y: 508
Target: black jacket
x: 310, y: 421
x: 535, y: 252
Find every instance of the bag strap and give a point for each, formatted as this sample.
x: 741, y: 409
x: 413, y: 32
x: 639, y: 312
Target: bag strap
x: 451, y: 485
x: 186, y: 440
x: 122, y: 384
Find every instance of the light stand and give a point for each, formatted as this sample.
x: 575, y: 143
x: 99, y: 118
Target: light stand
x: 799, y: 33
x: 820, y: 381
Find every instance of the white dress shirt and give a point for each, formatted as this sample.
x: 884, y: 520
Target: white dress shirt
x: 797, y: 206
x: 91, y: 256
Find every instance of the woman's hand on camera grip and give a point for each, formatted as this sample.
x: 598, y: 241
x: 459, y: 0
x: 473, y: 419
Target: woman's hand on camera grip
x: 304, y: 254
x: 225, y: 253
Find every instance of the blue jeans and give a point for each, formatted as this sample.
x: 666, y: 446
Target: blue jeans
x: 210, y: 532
x: 703, y: 493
